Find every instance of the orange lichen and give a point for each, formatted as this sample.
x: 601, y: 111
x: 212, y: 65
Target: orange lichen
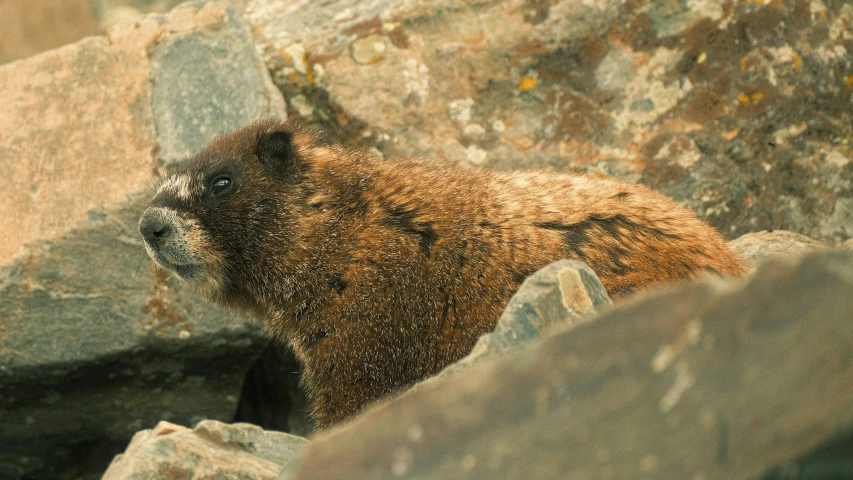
x: 527, y: 83
x: 309, y: 72
x: 756, y: 97
x: 798, y: 62
x: 849, y: 81
x: 743, y: 98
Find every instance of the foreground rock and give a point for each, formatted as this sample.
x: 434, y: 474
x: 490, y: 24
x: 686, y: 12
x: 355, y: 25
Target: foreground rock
x: 758, y: 246
x: 739, y: 109
x: 564, y: 294
x: 706, y: 380
x: 210, y: 450
x: 95, y: 344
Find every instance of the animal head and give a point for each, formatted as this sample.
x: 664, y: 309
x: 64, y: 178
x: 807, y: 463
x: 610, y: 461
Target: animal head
x: 214, y: 217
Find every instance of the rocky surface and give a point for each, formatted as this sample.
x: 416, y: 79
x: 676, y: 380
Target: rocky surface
x: 757, y: 246
x: 560, y: 295
x: 740, y: 110
x: 210, y: 450
x: 33, y: 26
x: 95, y: 343
x: 707, y: 380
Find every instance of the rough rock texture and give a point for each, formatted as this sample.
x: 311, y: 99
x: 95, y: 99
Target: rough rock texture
x: 755, y: 247
x: 96, y: 344
x: 33, y: 26
x: 708, y: 380
x: 560, y: 295
x: 210, y: 450
x: 741, y: 110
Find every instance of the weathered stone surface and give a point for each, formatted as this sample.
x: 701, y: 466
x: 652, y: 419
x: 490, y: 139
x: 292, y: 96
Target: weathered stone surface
x: 223, y: 84
x: 210, y: 450
x: 741, y: 110
x: 95, y: 343
x: 33, y: 26
x: 562, y: 294
x: 755, y: 247
x: 707, y: 380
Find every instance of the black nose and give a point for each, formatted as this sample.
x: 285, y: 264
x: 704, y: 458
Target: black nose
x: 154, y: 229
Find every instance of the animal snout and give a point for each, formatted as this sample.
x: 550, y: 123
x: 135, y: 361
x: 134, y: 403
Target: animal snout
x: 156, y: 228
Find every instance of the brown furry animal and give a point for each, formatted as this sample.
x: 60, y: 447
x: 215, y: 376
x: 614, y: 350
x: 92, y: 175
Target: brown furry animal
x: 380, y: 274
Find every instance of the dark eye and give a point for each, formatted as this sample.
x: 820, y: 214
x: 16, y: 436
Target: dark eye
x: 220, y: 185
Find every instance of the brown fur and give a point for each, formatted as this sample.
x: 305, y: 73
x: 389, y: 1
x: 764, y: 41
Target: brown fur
x: 380, y: 274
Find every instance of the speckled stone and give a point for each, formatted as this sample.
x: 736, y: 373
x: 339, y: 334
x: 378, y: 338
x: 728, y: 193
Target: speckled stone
x: 95, y: 342
x: 758, y: 246
x: 210, y: 450
x: 740, y: 110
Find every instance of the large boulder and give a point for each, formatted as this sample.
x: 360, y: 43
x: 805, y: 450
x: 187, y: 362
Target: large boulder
x: 96, y: 343
x: 712, y: 379
x: 740, y: 110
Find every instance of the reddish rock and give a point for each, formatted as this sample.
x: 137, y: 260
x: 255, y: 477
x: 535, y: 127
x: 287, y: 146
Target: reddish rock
x: 96, y: 342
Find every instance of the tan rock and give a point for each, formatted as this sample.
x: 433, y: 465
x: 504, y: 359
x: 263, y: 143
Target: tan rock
x: 76, y: 134
x: 77, y: 128
x: 82, y: 130
x: 756, y: 247
x: 211, y: 450
x: 33, y: 26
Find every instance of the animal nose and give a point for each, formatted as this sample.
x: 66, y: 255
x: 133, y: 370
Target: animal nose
x: 154, y: 228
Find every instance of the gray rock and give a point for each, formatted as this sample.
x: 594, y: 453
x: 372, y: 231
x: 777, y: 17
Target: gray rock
x: 95, y: 342
x: 210, y: 450
x: 756, y: 247
x: 705, y: 380
x: 221, y: 86
x: 562, y: 294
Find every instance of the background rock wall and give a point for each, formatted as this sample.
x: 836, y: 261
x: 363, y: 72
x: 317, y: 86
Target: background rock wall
x: 96, y: 343
x: 740, y: 110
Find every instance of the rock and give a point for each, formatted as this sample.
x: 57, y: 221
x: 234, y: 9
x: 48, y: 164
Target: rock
x: 710, y: 379
x: 95, y: 343
x: 757, y: 246
x: 848, y: 245
x: 33, y: 26
x: 562, y: 294
x: 210, y: 450
x: 740, y: 110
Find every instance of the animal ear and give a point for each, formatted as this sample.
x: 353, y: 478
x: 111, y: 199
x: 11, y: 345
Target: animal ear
x: 275, y: 148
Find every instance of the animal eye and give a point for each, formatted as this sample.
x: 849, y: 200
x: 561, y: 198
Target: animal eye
x: 220, y: 185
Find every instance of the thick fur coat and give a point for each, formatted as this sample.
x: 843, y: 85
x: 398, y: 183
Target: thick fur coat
x: 379, y: 274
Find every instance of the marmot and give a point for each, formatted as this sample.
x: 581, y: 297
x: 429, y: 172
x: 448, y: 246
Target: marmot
x: 378, y: 274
